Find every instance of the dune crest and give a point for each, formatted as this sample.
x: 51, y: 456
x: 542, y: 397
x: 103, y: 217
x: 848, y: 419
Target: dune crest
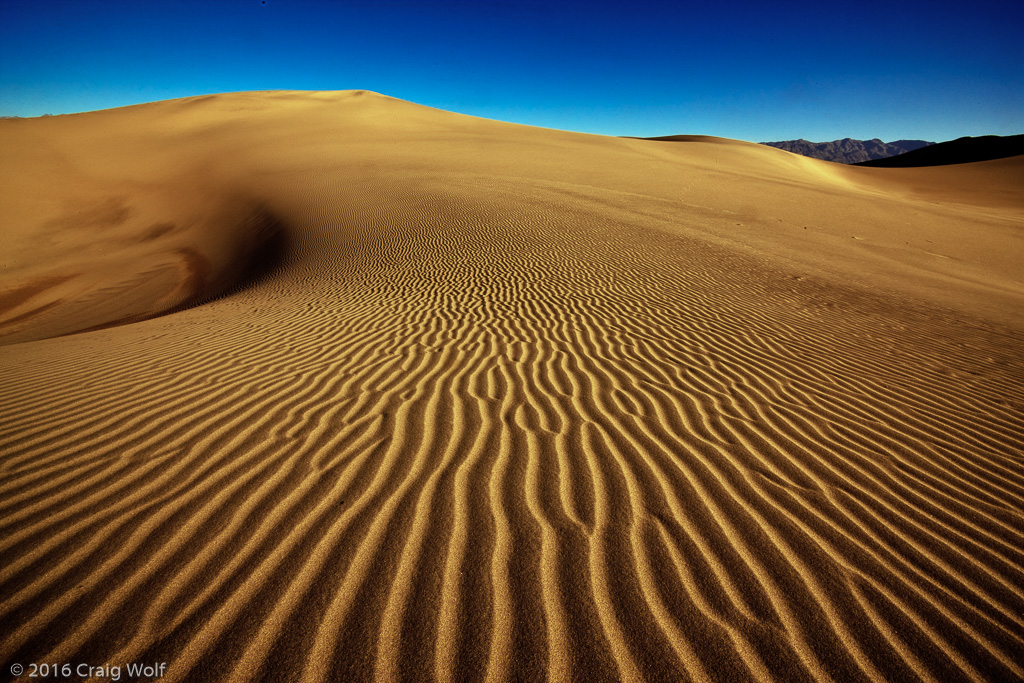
x: 517, y: 403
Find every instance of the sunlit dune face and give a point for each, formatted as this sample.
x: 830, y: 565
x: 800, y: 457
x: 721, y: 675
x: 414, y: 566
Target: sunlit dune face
x: 331, y: 386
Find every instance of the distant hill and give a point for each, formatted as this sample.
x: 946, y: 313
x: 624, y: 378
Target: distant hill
x: 848, y: 150
x: 959, y: 151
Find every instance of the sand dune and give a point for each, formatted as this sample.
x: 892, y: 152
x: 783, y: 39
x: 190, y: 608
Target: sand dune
x: 960, y: 151
x: 331, y: 386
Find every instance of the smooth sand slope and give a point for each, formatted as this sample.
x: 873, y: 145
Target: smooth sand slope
x: 331, y: 386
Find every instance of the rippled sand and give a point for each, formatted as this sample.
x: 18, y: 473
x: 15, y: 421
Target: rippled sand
x: 331, y: 386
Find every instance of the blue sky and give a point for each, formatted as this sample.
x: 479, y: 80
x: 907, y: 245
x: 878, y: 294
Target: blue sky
x: 748, y: 70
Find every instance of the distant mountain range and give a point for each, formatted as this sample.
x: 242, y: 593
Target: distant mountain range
x: 848, y: 150
x: 959, y: 151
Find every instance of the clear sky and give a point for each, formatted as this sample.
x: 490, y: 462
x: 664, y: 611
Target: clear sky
x: 766, y: 70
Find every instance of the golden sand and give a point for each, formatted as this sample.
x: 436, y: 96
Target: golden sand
x: 332, y: 386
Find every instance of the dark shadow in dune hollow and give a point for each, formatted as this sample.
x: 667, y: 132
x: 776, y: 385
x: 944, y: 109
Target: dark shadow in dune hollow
x: 262, y: 251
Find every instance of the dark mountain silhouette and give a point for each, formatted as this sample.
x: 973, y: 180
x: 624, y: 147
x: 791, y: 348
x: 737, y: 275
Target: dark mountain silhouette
x: 959, y: 151
x: 848, y: 150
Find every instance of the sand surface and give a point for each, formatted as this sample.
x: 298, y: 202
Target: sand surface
x: 332, y: 386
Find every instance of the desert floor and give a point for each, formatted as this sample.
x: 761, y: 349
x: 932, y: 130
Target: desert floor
x: 332, y: 386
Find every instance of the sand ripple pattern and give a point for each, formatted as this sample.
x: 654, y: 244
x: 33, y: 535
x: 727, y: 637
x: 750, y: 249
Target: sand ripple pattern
x: 463, y: 442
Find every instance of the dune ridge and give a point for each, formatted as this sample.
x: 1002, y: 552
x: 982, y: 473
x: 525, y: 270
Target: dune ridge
x: 522, y: 404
